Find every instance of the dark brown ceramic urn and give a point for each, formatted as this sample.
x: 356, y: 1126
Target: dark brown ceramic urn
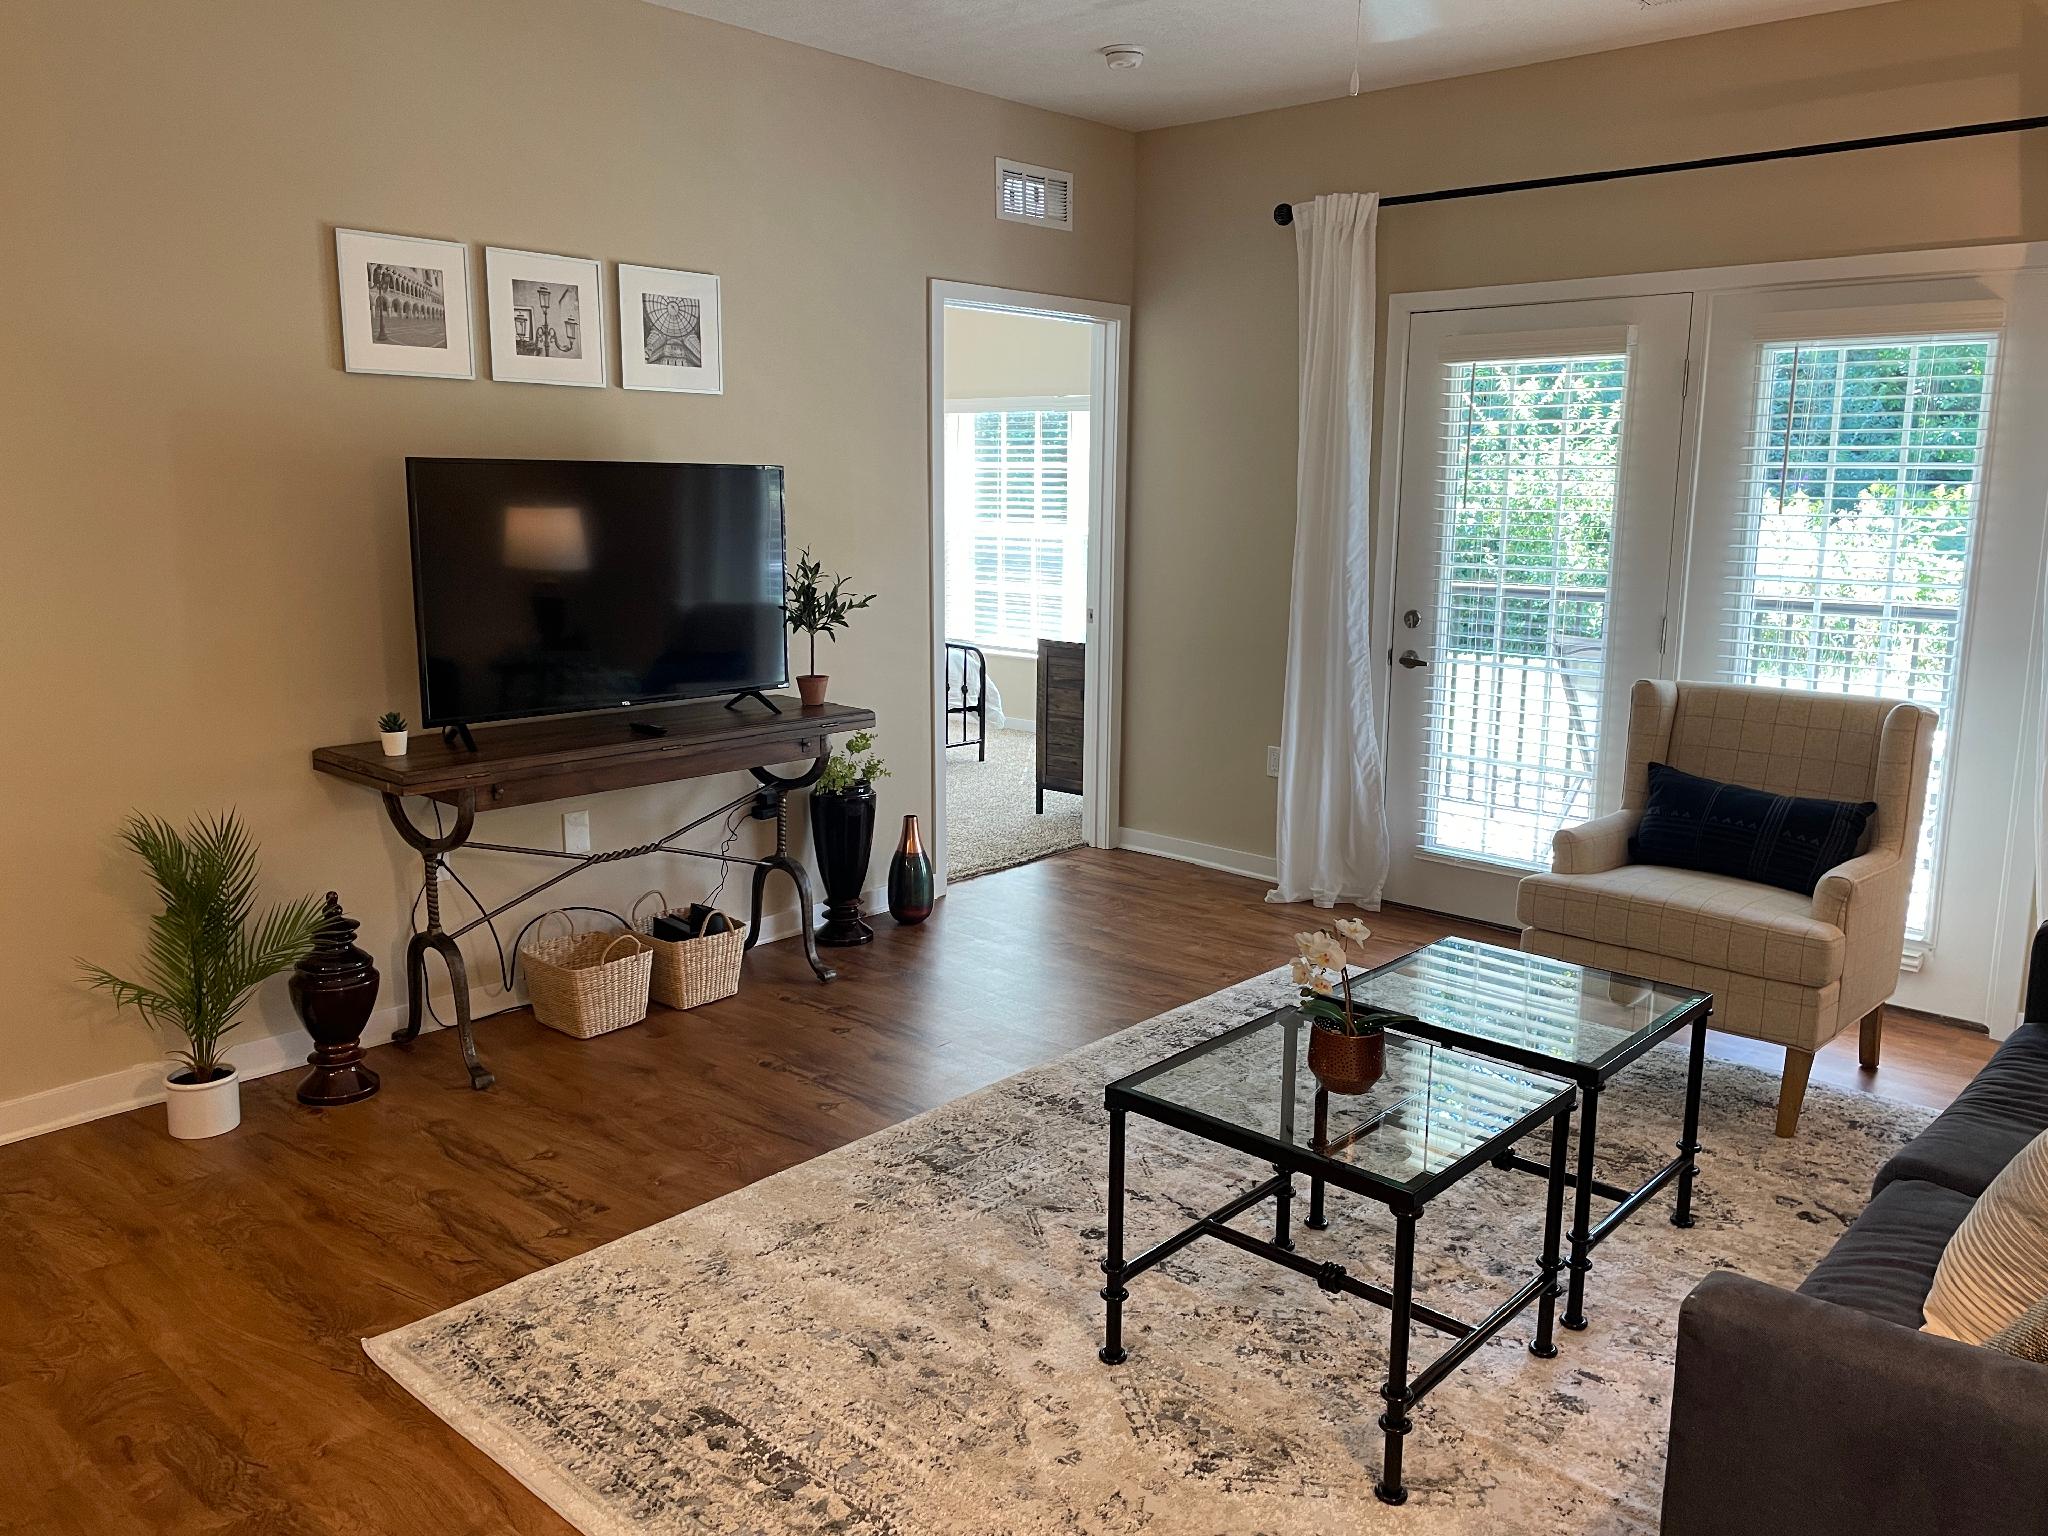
x: 334, y: 988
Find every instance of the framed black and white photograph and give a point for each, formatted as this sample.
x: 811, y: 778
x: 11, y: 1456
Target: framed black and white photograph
x: 669, y: 331
x: 404, y: 305
x: 547, y: 318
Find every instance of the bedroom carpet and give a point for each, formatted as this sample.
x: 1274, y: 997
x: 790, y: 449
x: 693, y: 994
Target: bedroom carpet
x: 991, y: 820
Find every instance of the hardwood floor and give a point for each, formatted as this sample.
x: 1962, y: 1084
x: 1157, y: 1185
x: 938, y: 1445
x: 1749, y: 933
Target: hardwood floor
x: 179, y: 1323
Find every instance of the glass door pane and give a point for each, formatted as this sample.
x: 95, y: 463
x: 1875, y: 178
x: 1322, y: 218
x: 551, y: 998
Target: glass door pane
x: 1537, y: 489
x: 1865, y: 469
x: 1532, y: 450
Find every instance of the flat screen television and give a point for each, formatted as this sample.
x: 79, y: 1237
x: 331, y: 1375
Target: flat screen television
x: 542, y: 587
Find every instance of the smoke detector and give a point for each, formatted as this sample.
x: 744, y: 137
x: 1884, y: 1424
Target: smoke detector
x: 1122, y: 56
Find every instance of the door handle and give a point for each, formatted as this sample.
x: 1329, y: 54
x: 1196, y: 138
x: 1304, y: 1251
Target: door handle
x: 1411, y: 660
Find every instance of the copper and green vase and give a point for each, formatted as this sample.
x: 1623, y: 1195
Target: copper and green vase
x: 910, y: 877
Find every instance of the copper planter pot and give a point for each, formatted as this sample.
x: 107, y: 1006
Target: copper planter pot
x: 811, y: 688
x: 1346, y: 1063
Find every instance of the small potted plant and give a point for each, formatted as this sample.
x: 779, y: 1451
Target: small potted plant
x: 812, y: 608
x: 1347, y: 1040
x: 205, y: 955
x: 391, y: 732
x: 843, y: 831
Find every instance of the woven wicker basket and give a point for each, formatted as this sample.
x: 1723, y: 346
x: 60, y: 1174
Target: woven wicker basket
x: 691, y: 972
x: 586, y: 984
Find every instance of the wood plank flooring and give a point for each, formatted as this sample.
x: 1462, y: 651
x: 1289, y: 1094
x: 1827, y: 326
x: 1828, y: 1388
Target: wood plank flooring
x: 179, y: 1323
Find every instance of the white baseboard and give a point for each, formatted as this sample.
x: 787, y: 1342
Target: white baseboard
x: 257, y: 1056
x: 1231, y: 861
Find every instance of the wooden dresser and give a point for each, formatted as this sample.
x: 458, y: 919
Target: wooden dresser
x: 1062, y: 679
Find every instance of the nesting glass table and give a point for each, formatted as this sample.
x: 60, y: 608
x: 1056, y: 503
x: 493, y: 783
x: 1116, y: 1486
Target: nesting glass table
x: 1503, y: 1045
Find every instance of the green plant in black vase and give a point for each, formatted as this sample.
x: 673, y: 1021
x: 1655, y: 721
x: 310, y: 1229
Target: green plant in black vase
x: 843, y: 830
x: 812, y: 608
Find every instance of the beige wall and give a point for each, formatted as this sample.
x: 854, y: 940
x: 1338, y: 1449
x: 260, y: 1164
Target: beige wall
x: 995, y: 355
x: 1016, y: 678
x: 205, y: 572
x: 1211, y: 496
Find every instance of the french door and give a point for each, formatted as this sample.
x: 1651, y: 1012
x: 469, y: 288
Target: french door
x: 1535, y: 515
x: 1867, y: 519
x: 1835, y: 485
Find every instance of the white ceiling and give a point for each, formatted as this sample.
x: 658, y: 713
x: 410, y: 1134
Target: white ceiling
x: 1217, y: 58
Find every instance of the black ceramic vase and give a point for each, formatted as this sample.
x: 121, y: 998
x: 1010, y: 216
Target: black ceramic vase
x: 910, y: 877
x: 333, y: 988
x: 843, y: 830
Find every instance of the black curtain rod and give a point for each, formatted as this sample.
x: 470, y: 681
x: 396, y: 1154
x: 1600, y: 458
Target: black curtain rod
x: 1284, y: 213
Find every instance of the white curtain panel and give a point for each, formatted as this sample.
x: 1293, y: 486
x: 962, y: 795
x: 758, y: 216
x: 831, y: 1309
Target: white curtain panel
x: 1332, y: 842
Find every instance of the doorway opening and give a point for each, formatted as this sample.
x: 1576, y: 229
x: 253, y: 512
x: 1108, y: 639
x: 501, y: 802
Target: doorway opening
x: 1027, y: 473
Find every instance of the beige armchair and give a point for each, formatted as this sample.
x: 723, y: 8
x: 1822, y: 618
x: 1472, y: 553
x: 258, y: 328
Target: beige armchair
x: 1789, y: 969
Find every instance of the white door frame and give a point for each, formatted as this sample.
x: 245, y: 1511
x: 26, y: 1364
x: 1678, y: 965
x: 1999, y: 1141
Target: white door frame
x: 2008, y: 956
x: 1102, y: 725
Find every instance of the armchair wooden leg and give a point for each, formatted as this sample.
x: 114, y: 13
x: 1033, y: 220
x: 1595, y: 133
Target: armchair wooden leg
x: 1872, y: 1043
x: 1792, y: 1089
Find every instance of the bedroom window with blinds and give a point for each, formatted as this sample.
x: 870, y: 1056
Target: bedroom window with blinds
x: 1526, y: 543
x: 1016, y: 526
x: 1865, y: 469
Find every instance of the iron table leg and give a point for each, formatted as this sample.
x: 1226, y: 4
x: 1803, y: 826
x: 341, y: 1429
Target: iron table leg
x: 1395, y: 1420
x: 1582, y: 1213
x: 1689, y: 1139
x: 773, y: 804
x: 437, y: 938
x: 1317, y: 1221
x: 1283, y: 1200
x: 1113, y: 1294
x: 1544, y: 1346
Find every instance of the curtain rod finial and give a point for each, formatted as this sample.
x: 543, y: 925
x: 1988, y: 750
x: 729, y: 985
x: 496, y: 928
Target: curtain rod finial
x: 1283, y: 214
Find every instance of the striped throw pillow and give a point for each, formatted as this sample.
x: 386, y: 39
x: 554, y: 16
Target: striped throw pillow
x: 2027, y: 1338
x: 1996, y: 1266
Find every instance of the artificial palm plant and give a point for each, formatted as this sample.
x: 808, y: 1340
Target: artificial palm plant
x: 206, y: 951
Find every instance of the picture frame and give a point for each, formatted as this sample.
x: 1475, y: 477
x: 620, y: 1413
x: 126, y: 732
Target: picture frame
x: 671, y: 331
x: 405, y: 305
x: 546, y: 318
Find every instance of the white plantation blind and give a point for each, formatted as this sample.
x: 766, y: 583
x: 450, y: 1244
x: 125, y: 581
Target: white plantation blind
x: 1529, y: 487
x: 1016, y: 526
x: 1864, y: 471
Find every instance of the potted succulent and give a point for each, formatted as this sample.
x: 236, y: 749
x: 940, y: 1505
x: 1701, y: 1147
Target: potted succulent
x: 811, y: 608
x: 206, y: 953
x: 843, y: 831
x: 391, y: 732
x: 1347, y: 1039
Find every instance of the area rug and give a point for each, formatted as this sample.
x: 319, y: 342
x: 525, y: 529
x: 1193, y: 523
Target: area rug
x: 992, y: 820
x: 898, y: 1338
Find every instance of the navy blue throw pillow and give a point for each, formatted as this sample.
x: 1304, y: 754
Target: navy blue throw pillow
x: 1725, y: 829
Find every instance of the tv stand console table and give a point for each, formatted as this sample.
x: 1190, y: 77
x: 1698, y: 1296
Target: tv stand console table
x: 582, y: 755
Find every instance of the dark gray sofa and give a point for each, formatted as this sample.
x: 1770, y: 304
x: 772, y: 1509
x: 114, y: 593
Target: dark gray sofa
x: 1824, y: 1412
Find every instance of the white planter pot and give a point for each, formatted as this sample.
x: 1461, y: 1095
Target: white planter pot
x: 394, y: 742
x: 200, y: 1110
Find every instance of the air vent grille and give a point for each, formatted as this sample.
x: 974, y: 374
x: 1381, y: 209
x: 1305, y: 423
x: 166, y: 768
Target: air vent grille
x: 1034, y: 194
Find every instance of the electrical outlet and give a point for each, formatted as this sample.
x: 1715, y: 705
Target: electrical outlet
x: 1272, y: 762
x: 575, y: 831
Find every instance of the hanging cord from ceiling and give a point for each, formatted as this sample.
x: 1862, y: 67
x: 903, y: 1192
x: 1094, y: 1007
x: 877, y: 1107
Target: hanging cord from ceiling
x: 1357, y: 47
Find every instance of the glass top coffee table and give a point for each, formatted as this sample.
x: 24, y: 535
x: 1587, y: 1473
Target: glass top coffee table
x: 1436, y: 1115
x: 1570, y: 1021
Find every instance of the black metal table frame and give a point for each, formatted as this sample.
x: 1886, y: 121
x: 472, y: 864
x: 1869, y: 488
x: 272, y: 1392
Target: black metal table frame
x: 767, y: 803
x: 1403, y: 1391
x: 1591, y: 1079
